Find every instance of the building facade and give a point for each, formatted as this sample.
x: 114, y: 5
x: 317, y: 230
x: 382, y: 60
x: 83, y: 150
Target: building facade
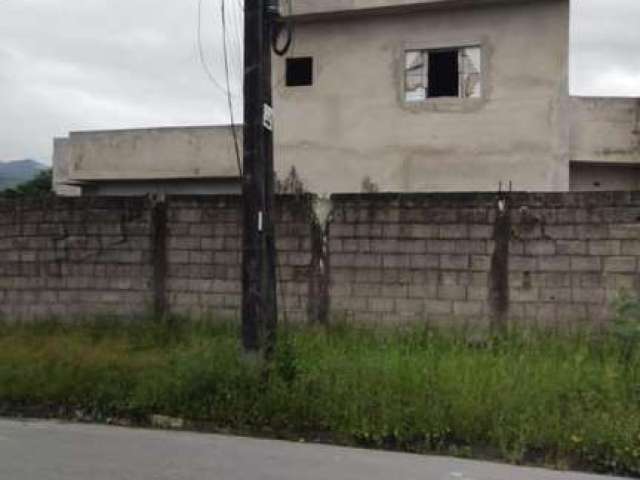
x: 413, y: 96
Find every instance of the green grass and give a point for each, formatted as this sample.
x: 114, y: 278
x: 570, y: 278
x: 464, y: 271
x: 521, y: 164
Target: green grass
x: 561, y: 400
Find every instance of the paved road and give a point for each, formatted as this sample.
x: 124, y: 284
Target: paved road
x: 36, y: 450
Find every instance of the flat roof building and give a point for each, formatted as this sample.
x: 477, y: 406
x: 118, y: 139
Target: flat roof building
x: 404, y: 95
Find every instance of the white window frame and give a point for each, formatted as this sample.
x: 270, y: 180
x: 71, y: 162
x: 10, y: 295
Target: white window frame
x: 442, y: 101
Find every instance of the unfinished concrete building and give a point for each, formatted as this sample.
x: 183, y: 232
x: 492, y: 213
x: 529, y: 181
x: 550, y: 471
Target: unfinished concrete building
x: 400, y: 95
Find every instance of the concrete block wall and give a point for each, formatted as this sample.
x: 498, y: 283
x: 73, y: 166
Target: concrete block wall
x: 204, y: 255
x: 73, y: 257
x: 558, y: 259
x: 412, y: 257
x: 545, y: 259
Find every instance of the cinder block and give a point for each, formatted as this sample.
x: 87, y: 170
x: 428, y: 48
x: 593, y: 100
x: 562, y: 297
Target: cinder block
x: 189, y: 215
x: 571, y: 247
x: 438, y: 307
x: 454, y: 262
x: 586, y: 264
x: 367, y: 230
x: 479, y: 279
x: 454, y: 232
x: 212, y: 244
x: 555, y: 294
x: 477, y: 293
x: 441, y: 215
x: 424, y: 231
x: 395, y: 261
x: 441, y: 246
x: 565, y: 216
x: 368, y: 275
x: 589, y: 295
x: 408, y: 305
x: 296, y: 259
x: 481, y: 232
x: 201, y: 229
x: 412, y: 246
x: 621, y: 281
x: 620, y: 264
x: 395, y: 290
x: 343, y: 230
x: 552, y: 280
x: 630, y: 247
x: 391, y: 230
x: 367, y: 260
x: 387, y: 214
x: 481, y: 263
x: 604, y: 247
x: 184, y: 243
x: 343, y: 260
x: 226, y: 286
x: 555, y: 263
x: 625, y: 231
x: 471, y: 246
x: 540, y: 247
x: 201, y: 257
x: 467, y: 308
x: 366, y: 290
x: 424, y: 261
x: 520, y: 263
x: 473, y: 215
x: 572, y: 312
x: 351, y: 245
x: 385, y: 245
x: 228, y: 258
x: 422, y: 291
x: 349, y: 303
x: 381, y: 304
x: 447, y: 278
x: 520, y: 295
x: 560, y: 232
x: 452, y: 292
x: 592, y: 232
x: 212, y: 300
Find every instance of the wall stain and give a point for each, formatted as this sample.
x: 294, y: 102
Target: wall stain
x: 499, y: 273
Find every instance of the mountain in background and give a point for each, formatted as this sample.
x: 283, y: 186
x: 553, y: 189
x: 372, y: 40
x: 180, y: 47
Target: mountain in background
x: 19, y: 171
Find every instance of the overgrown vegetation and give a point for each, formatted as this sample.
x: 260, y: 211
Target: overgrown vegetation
x: 559, y: 400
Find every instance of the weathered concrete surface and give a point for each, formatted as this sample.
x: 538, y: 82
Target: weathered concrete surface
x: 145, y: 154
x: 605, y: 130
x: 354, y: 117
x: 54, y: 451
x: 314, y: 8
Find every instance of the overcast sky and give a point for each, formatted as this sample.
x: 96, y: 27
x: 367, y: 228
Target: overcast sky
x: 101, y: 64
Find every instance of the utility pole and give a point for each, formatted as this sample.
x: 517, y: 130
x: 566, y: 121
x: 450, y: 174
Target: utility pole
x: 259, y: 300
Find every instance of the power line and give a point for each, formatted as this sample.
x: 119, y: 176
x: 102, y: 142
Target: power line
x: 203, y: 60
x: 234, y: 134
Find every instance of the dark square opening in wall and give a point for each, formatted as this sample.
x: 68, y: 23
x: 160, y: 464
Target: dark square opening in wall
x: 299, y: 72
x: 443, y: 74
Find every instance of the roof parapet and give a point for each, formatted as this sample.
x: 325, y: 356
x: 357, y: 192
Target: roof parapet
x: 319, y: 9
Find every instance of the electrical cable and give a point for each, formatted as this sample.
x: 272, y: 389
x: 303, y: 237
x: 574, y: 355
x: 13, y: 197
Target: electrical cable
x: 234, y: 134
x: 203, y: 60
x: 283, y: 26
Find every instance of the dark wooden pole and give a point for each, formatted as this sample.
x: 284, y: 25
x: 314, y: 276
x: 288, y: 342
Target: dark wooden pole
x: 259, y: 300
